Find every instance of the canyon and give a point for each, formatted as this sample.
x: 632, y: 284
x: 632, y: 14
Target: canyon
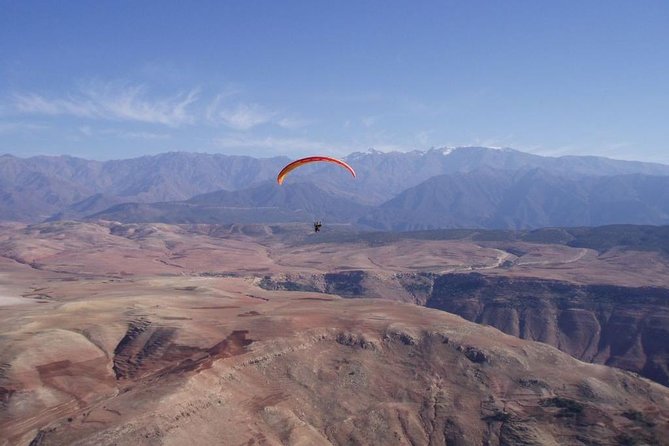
x: 270, y: 334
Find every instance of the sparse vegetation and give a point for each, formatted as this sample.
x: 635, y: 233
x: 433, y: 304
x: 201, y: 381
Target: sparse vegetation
x: 638, y: 417
x: 499, y: 416
x: 569, y: 407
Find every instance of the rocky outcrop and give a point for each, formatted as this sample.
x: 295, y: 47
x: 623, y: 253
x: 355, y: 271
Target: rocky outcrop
x: 403, y: 287
x: 623, y: 327
x: 411, y: 376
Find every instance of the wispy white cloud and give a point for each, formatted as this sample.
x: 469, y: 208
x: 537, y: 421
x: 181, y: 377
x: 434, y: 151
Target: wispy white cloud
x: 274, y: 144
x: 144, y: 135
x: 113, y: 102
x: 91, y: 132
x: 386, y: 147
x: 616, y: 150
x: 492, y: 142
x: 211, y: 111
x: 20, y: 127
x: 304, y: 146
x: 244, y: 116
x: 563, y: 150
x: 35, y: 104
x: 292, y: 123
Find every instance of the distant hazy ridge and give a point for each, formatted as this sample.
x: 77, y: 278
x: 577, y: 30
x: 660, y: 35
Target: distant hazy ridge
x: 438, y: 188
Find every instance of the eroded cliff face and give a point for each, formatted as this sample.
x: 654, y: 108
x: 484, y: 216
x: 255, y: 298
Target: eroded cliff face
x: 618, y: 326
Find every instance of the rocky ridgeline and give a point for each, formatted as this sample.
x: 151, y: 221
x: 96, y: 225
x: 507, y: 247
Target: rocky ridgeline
x: 623, y: 327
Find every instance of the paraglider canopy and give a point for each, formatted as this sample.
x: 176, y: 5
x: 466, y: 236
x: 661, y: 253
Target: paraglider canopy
x: 311, y: 159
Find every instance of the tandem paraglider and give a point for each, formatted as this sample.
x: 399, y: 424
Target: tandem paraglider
x: 312, y: 159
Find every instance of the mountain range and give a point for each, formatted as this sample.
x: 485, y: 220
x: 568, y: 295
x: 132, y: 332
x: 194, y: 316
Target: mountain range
x: 474, y: 187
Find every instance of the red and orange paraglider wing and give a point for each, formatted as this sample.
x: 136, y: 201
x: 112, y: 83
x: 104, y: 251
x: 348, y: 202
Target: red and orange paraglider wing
x: 310, y: 159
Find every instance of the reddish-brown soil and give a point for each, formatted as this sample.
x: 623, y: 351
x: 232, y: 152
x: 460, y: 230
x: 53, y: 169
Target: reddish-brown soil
x: 156, y: 334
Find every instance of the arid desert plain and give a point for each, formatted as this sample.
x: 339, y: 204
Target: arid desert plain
x: 127, y: 334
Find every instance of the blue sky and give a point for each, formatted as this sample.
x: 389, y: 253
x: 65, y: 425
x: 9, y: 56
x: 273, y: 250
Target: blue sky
x: 117, y: 79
